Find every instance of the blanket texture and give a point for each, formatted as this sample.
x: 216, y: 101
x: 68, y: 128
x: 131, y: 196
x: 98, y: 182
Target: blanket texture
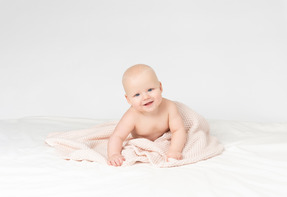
x: 91, y: 144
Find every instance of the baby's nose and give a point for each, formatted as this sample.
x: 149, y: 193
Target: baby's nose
x: 146, y: 96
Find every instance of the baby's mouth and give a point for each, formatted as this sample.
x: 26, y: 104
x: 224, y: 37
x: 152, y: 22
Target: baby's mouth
x: 149, y: 103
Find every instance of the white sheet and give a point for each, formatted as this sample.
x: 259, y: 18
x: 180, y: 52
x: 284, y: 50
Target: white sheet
x: 254, y: 163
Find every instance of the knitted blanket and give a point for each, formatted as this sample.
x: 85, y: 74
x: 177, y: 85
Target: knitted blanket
x: 91, y: 144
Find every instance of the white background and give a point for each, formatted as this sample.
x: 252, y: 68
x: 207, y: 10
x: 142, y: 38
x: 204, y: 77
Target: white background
x: 226, y: 59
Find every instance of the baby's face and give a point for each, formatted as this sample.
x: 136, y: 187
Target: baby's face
x: 143, y: 91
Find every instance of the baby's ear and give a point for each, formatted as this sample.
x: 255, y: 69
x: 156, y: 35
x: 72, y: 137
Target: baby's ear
x: 128, y: 100
x: 160, y: 87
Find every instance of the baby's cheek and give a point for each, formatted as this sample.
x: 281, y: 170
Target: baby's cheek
x: 159, y: 97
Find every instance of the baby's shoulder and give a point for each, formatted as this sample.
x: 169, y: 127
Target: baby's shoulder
x: 170, y: 105
x: 171, y: 108
x: 127, y: 120
x: 130, y: 112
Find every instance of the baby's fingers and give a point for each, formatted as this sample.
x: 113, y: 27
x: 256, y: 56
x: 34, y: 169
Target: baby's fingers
x: 174, y: 156
x: 118, y: 162
x: 179, y: 157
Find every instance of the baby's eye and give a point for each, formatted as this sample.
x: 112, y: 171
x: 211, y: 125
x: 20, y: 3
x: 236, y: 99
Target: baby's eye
x: 149, y: 90
x: 136, y: 95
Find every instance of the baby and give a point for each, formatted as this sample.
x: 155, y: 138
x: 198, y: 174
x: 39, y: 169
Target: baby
x: 149, y: 116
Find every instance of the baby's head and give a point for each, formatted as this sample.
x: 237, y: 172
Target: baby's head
x: 142, y: 87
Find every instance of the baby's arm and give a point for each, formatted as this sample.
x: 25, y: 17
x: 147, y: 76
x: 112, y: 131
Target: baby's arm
x: 179, y: 134
x: 122, y: 130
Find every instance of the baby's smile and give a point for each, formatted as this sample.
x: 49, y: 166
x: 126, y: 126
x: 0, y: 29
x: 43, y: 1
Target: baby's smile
x: 148, y: 103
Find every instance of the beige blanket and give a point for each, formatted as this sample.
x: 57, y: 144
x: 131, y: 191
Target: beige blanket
x: 91, y: 144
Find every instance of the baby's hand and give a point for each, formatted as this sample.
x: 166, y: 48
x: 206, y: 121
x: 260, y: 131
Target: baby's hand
x: 116, y: 160
x: 174, y: 155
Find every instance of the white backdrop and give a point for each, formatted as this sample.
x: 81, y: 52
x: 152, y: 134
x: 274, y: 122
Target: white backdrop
x: 225, y: 59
